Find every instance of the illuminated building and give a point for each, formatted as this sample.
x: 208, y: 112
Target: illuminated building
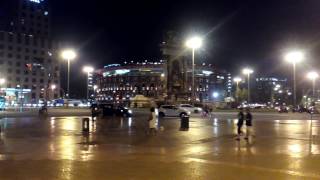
x: 28, y: 58
x: 121, y: 82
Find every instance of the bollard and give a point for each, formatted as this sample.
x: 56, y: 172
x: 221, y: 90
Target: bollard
x: 85, y: 124
x: 184, y: 126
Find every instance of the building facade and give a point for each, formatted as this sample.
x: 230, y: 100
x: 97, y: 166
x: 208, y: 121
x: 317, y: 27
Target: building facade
x: 28, y: 58
x: 271, y: 90
x: 121, y: 82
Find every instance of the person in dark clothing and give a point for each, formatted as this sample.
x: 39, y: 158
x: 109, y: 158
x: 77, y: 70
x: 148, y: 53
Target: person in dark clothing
x: 240, y: 123
x: 248, y: 124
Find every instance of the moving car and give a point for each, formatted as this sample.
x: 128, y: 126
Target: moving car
x: 190, y: 108
x: 171, y: 110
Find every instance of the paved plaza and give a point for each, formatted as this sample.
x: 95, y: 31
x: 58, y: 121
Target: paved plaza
x: 118, y: 148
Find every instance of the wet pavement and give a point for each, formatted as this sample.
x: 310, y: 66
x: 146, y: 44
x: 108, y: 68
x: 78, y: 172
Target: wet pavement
x: 283, y: 147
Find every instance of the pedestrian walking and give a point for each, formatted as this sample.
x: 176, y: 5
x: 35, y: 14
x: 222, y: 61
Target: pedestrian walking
x: 152, y: 121
x: 248, y: 124
x: 240, y: 123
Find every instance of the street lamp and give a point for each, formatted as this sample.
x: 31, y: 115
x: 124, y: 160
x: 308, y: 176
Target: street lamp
x: 294, y: 57
x: 313, y: 76
x: 193, y: 43
x: 68, y: 55
x: 88, y: 70
x: 53, y: 87
x: 248, y: 71
x: 237, y: 80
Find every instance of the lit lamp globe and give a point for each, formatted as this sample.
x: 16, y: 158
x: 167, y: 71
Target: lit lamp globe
x: 68, y: 54
x: 2, y: 81
x: 294, y: 57
x: 88, y: 69
x: 194, y: 42
x: 313, y: 75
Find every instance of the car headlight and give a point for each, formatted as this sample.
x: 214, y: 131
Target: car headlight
x: 130, y: 111
x: 188, y: 112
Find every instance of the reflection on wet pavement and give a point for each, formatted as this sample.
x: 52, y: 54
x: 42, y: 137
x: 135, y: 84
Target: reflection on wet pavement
x: 285, y: 148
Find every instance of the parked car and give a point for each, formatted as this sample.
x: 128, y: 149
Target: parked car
x: 283, y: 109
x: 123, y: 111
x: 111, y: 109
x: 190, y: 108
x: 171, y: 110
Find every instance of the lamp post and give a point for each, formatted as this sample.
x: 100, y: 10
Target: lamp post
x: 294, y: 57
x: 68, y: 55
x: 193, y: 43
x: 248, y: 71
x: 88, y: 70
x: 53, y: 88
x: 313, y: 76
x: 237, y: 80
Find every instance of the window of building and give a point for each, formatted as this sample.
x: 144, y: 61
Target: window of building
x: 26, y: 57
x: 17, y: 79
x: 41, y: 81
x: 19, y: 49
x: 33, y: 95
x: 9, y: 63
x: 1, y: 46
x: 26, y: 79
x: 10, y: 48
x: 18, y: 71
x: 25, y: 86
x: 35, y: 51
x: 9, y: 55
x: 27, y: 40
x: 18, y: 56
x: 26, y: 72
x: 34, y: 80
x: 9, y: 71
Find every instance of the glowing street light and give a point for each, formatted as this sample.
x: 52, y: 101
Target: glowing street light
x: 248, y: 71
x: 237, y: 80
x: 313, y: 76
x: 193, y: 43
x: 68, y: 55
x: 2, y: 81
x: 88, y: 70
x: 294, y: 57
x: 53, y: 87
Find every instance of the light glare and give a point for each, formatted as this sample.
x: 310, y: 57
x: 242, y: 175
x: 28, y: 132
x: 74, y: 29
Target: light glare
x: 294, y: 57
x: 194, y: 43
x: 312, y: 75
x: 68, y: 54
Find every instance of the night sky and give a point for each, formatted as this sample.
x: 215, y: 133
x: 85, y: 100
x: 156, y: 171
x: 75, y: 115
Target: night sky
x: 237, y: 33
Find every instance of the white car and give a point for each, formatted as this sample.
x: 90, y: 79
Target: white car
x: 171, y: 110
x: 190, y: 108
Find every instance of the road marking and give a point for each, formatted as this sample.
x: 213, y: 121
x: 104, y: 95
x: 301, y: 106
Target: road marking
x: 288, y: 172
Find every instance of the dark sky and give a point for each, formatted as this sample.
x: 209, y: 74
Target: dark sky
x: 237, y: 33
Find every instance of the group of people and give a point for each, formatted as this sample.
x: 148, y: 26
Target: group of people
x: 242, y: 118
x: 247, y: 118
